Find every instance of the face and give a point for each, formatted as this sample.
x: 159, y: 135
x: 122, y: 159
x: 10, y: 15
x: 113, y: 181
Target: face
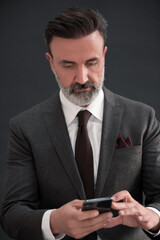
x: 78, y: 65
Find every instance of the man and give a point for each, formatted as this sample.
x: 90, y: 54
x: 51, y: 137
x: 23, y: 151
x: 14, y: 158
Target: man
x: 45, y: 189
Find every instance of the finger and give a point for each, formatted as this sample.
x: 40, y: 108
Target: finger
x: 98, y: 222
x: 136, y: 210
x: 142, y: 214
x: 113, y: 222
x: 122, y: 205
x: 77, y: 203
x: 122, y: 195
x: 86, y: 215
x: 87, y: 226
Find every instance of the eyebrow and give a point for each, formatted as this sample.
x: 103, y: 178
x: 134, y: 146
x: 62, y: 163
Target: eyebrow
x: 71, y: 62
x: 93, y: 59
x: 66, y: 62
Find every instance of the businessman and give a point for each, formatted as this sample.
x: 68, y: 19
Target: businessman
x: 83, y: 142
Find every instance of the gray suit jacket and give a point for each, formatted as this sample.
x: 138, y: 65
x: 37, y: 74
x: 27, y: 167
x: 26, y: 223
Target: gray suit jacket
x: 42, y: 173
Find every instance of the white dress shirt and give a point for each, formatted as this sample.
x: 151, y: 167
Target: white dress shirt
x: 94, y: 128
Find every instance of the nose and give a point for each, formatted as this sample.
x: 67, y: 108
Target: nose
x: 81, y: 75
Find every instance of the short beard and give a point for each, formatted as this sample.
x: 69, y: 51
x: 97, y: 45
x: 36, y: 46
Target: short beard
x: 83, y: 98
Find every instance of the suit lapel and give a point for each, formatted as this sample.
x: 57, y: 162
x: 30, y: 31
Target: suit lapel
x: 57, y: 129
x: 111, y: 122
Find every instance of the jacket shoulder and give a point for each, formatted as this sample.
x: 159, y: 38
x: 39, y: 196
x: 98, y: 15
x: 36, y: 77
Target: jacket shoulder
x: 33, y: 116
x: 129, y: 105
x: 38, y: 109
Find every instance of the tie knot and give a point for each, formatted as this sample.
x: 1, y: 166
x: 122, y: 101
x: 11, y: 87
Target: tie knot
x: 83, y: 117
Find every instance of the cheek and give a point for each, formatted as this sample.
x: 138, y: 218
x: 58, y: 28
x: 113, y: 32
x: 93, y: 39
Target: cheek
x: 96, y: 76
x: 66, y: 79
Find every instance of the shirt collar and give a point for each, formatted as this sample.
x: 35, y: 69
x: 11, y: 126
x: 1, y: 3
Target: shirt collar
x: 70, y: 110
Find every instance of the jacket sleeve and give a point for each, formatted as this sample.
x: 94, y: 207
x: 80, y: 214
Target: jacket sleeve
x: 21, y: 215
x: 151, y: 162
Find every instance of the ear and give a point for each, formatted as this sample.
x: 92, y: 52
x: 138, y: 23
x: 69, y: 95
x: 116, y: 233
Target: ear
x: 50, y: 60
x: 104, y: 51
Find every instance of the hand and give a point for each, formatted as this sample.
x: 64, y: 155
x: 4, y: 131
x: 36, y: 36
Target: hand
x: 70, y: 220
x: 133, y: 214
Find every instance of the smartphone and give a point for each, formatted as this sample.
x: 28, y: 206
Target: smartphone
x: 101, y: 204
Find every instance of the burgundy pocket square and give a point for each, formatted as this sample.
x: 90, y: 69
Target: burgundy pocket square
x: 121, y: 143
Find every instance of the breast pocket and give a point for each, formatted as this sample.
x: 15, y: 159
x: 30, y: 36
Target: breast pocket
x: 124, y: 152
x: 125, y: 170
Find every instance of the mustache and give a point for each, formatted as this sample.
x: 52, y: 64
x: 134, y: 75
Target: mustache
x: 78, y: 86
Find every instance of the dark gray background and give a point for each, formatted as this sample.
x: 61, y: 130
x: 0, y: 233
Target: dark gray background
x: 132, y: 62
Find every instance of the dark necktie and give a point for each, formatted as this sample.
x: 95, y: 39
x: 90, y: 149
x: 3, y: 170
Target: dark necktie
x: 84, y: 159
x: 84, y: 155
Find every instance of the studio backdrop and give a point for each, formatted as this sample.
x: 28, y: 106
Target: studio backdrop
x: 132, y: 61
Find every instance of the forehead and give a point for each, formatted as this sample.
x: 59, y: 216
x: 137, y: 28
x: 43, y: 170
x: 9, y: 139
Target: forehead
x: 75, y: 49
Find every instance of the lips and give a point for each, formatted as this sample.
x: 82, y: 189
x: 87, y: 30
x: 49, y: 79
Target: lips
x: 82, y: 90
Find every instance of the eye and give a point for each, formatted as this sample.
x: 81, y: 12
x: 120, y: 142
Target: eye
x: 92, y: 63
x: 69, y: 66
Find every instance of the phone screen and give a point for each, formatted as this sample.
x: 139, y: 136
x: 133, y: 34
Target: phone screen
x: 100, y: 204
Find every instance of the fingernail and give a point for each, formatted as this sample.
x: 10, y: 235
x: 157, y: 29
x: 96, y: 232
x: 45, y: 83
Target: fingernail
x: 96, y: 213
x: 140, y: 218
x: 113, y: 198
x: 122, y: 212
